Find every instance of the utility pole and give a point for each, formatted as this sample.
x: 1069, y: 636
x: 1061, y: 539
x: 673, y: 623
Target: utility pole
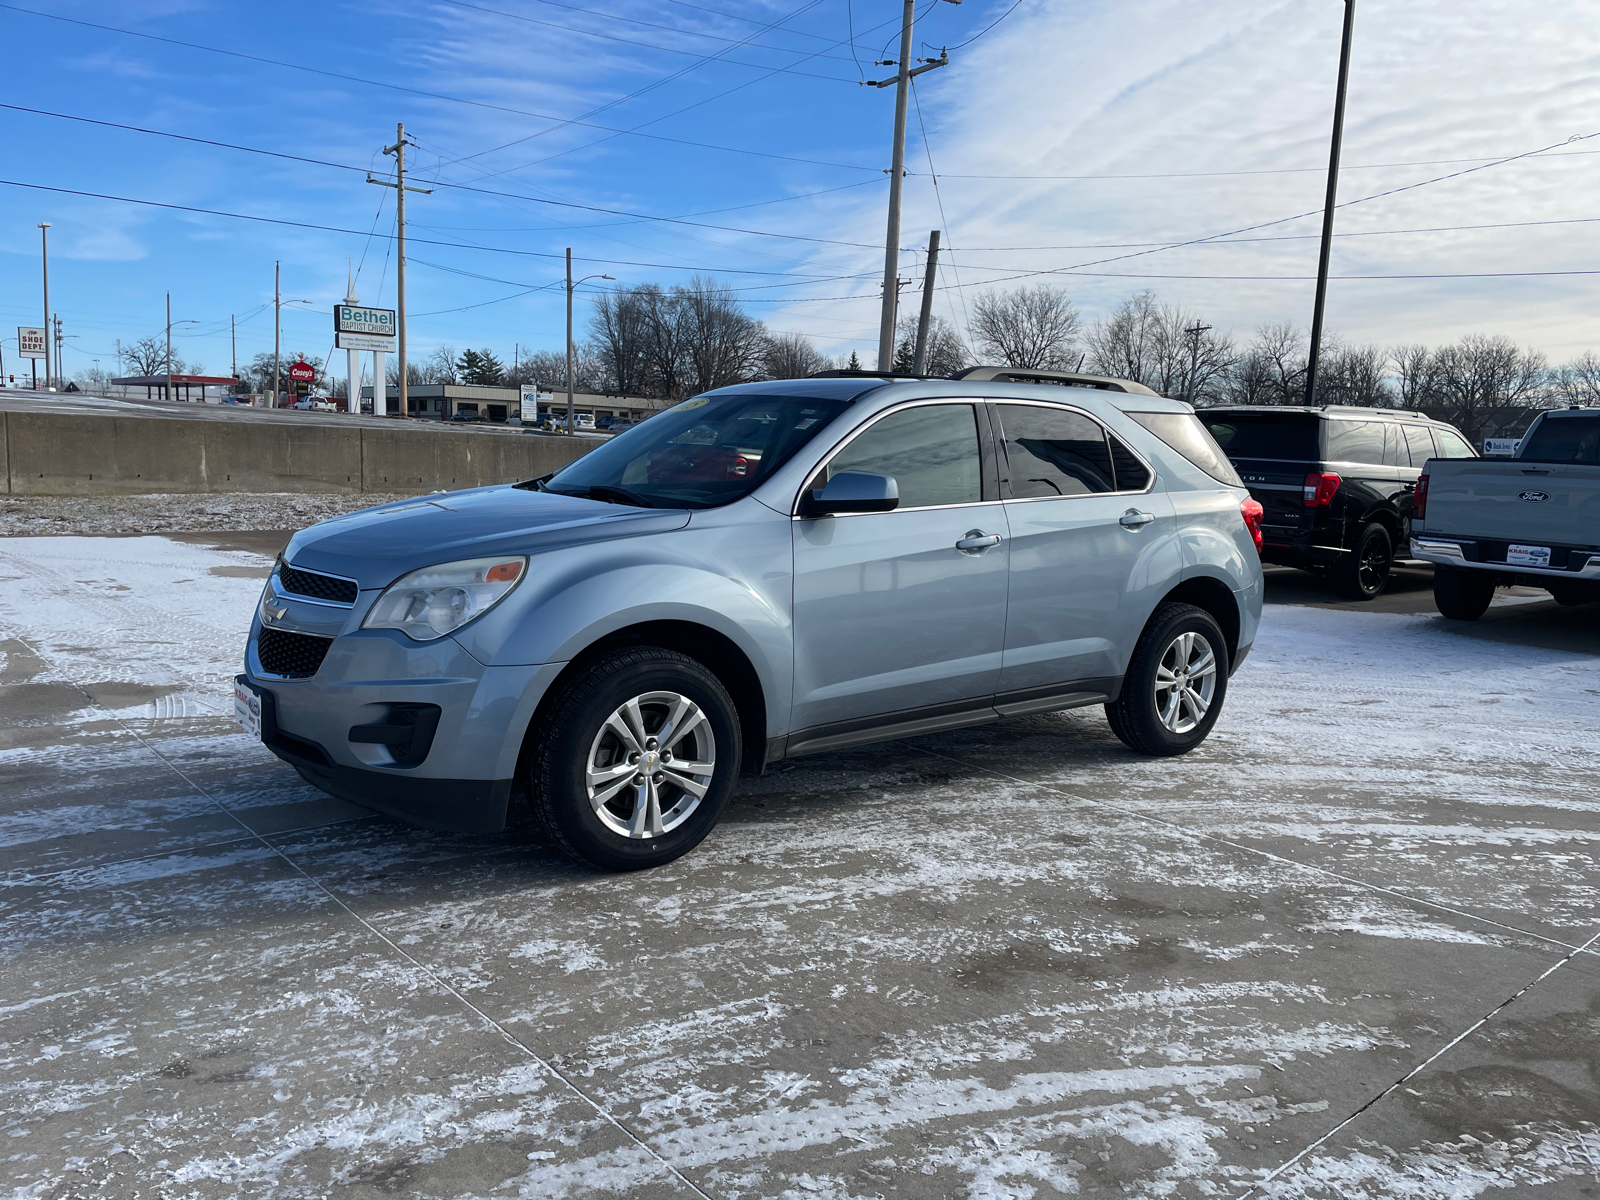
x: 1327, y: 208
x: 233, y: 340
x: 400, y: 190
x: 61, y: 373
x: 171, y: 395
x: 277, y: 329
x: 352, y: 401
x: 1194, y: 331
x: 897, y: 170
x: 44, y: 252
x: 919, y: 357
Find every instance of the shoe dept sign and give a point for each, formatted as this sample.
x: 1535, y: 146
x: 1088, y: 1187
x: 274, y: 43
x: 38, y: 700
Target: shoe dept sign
x: 358, y: 328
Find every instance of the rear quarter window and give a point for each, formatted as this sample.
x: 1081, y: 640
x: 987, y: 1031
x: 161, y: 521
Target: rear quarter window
x: 1355, y: 442
x: 1187, y: 434
x: 1288, y: 436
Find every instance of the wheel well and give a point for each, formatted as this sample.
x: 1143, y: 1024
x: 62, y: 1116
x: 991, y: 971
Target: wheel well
x: 1217, y: 599
x: 719, y: 654
x: 1389, y: 521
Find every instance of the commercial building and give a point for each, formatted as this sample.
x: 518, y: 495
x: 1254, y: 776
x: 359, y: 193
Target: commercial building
x: 442, y: 401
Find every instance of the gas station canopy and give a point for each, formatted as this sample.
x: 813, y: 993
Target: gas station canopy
x: 150, y: 382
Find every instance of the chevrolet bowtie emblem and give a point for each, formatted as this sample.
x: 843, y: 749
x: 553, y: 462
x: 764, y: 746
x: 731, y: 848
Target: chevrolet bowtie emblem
x: 272, y: 613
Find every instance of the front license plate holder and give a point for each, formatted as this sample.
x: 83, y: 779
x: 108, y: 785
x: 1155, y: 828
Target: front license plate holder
x: 1527, y: 556
x: 247, y: 708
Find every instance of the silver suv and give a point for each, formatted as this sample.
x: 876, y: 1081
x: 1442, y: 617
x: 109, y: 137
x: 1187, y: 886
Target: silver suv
x: 760, y: 572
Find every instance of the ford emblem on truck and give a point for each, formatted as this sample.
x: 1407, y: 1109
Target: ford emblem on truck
x: 1533, y: 497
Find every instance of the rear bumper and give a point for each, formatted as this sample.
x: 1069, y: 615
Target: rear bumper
x: 1451, y: 552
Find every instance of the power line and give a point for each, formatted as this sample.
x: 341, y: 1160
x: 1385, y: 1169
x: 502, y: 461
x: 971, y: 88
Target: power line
x: 319, y: 162
x: 395, y: 87
x: 987, y: 27
x: 212, y: 212
x: 1430, y: 162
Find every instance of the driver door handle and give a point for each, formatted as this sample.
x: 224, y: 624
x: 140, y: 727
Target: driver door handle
x: 1134, y: 519
x: 976, y: 541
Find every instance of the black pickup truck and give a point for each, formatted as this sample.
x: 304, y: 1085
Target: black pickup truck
x: 1335, y: 482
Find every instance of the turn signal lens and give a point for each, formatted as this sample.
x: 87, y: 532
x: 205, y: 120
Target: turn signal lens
x: 1320, y: 488
x: 434, y: 601
x: 1419, y: 499
x: 1252, y: 512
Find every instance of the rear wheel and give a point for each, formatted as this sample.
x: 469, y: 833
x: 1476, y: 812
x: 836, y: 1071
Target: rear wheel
x: 1569, y: 597
x: 1362, y: 574
x: 637, y: 759
x: 1175, y: 685
x: 1461, y: 595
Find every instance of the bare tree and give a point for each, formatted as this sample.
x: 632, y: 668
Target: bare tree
x: 148, y: 356
x: 619, y: 341
x: 1415, y: 374
x: 1483, y: 372
x: 1034, y: 327
x: 547, y: 370
x: 1579, y: 381
x: 947, y: 353
x: 722, y: 344
x: 790, y: 356
x: 440, y: 366
x: 1355, y: 375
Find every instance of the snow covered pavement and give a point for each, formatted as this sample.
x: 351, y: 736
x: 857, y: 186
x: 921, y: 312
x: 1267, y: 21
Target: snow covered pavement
x: 1014, y: 961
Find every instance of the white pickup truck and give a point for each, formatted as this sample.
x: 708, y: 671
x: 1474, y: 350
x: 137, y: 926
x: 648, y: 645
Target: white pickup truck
x: 1533, y: 519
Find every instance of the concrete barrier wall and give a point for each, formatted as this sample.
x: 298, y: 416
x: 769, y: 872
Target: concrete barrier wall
x: 65, y: 454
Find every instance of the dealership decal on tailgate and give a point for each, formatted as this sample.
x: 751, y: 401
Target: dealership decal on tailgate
x: 1527, y: 556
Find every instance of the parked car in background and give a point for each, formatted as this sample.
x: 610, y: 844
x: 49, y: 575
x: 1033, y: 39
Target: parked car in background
x: 1532, y: 520
x: 1335, y: 483
x: 621, y: 638
x: 466, y: 415
x: 315, y: 404
x: 581, y: 421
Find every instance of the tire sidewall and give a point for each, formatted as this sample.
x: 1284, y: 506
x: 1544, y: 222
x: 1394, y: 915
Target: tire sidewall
x: 1351, y: 583
x: 560, y: 763
x: 1140, y: 702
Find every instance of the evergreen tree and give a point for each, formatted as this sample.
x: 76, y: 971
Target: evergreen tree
x: 480, y: 367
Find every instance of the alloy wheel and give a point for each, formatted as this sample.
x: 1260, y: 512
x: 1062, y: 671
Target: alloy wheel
x: 1186, y: 682
x: 650, y: 764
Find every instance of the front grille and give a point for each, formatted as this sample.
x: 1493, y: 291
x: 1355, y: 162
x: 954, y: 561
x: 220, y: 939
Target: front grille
x: 291, y: 655
x: 315, y: 586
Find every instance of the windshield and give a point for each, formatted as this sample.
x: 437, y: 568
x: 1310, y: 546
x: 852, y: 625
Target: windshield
x: 1560, y: 438
x: 1265, y: 435
x: 702, y: 453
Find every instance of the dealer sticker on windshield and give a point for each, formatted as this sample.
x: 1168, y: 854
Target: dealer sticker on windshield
x: 1527, y: 556
x: 247, y: 709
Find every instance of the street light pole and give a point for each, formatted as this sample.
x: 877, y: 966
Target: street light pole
x: 277, y: 329
x: 171, y: 395
x: 1327, y: 208
x: 44, y: 253
x: 571, y: 417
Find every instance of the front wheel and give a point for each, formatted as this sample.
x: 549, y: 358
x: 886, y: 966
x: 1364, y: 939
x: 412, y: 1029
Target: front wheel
x: 1175, y: 684
x: 1461, y: 595
x: 637, y: 759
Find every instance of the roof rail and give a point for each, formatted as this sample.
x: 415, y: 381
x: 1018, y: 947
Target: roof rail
x: 844, y: 373
x: 1104, y: 383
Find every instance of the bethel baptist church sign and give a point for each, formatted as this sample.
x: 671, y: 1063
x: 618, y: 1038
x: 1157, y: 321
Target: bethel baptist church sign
x: 358, y: 328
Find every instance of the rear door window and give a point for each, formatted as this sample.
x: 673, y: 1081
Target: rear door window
x: 1420, y: 442
x: 1563, y: 439
x: 1355, y: 442
x: 1054, y: 452
x: 1284, y: 436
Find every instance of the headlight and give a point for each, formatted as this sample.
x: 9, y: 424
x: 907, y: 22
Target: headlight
x: 430, y: 603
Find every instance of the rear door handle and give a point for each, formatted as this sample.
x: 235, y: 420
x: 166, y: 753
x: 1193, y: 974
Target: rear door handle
x: 977, y: 541
x: 1134, y: 519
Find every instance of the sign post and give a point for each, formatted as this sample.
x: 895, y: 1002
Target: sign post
x: 356, y: 327
x: 32, y: 343
x: 302, y: 375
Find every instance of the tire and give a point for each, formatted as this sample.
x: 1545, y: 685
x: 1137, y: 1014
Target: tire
x: 1145, y: 715
x: 602, y: 724
x: 1569, y: 597
x: 1364, y: 572
x: 1461, y: 595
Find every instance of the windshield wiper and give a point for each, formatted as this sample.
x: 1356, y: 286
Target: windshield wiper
x: 614, y: 494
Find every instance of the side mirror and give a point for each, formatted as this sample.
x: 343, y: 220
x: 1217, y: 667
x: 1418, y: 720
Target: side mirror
x: 852, y: 492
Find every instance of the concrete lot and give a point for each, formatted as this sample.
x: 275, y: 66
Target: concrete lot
x: 1017, y: 961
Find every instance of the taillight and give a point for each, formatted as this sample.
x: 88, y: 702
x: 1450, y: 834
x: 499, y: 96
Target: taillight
x: 1252, y: 512
x: 1419, y: 499
x: 1320, y: 488
x: 740, y: 466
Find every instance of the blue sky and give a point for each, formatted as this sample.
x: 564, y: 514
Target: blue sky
x: 1065, y: 135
